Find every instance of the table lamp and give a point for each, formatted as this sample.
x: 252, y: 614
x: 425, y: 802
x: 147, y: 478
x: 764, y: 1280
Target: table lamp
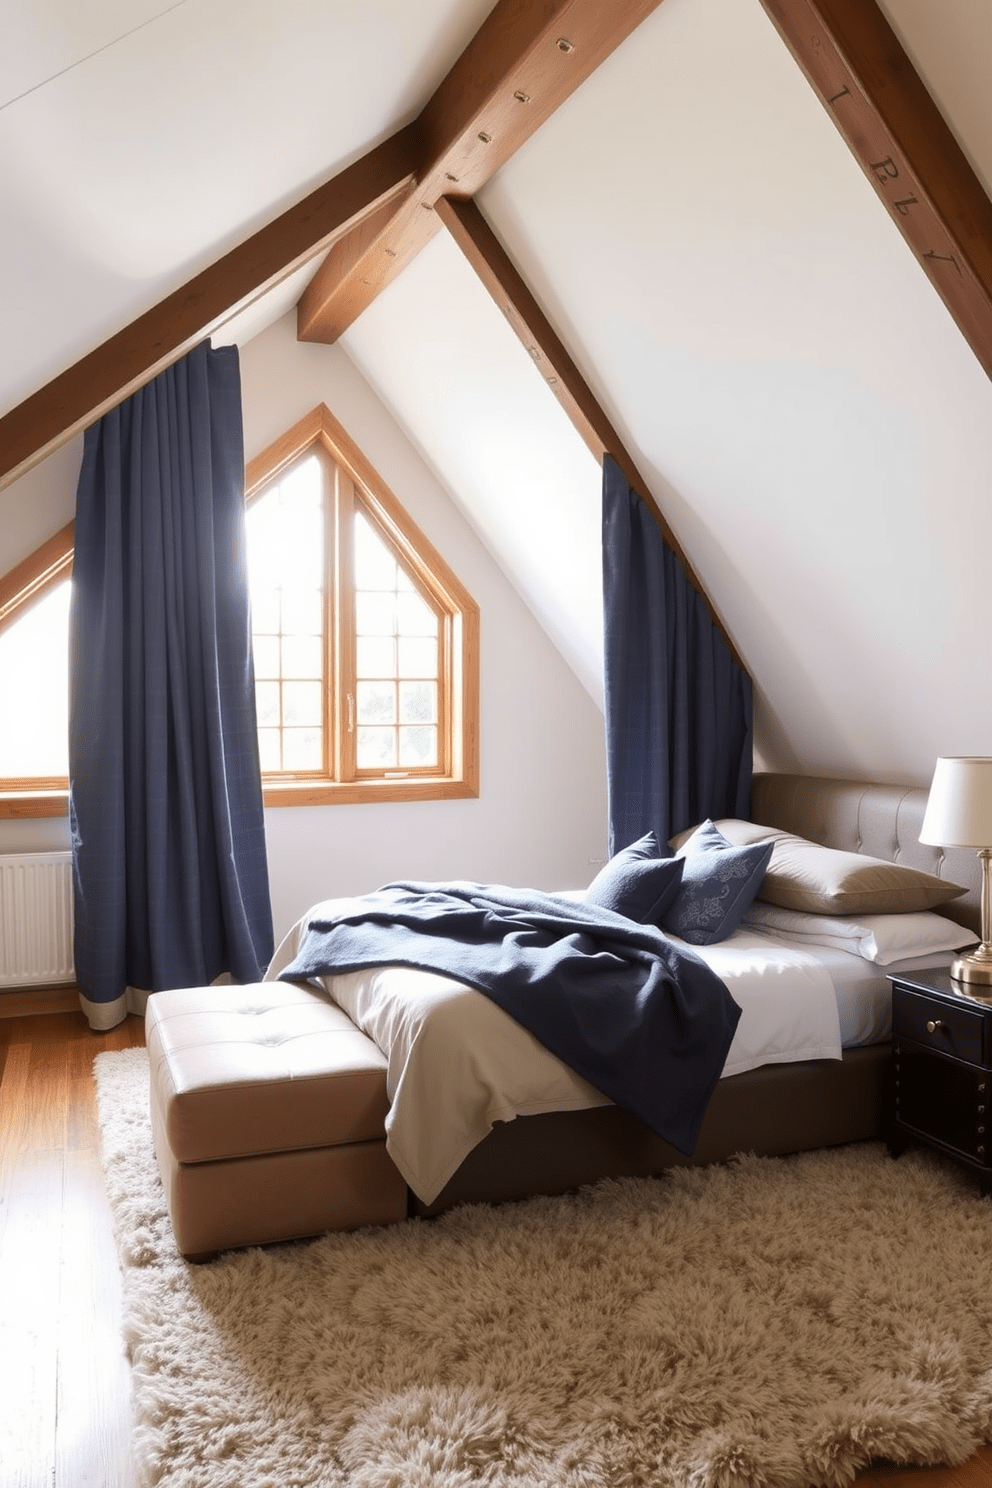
x: 959, y: 814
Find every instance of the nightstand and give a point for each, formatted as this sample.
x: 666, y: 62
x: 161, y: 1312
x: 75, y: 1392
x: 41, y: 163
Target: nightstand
x: 942, y: 1070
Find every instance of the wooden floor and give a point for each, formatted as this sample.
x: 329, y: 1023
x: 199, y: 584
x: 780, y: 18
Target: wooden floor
x: 64, y: 1403
x: 65, y: 1416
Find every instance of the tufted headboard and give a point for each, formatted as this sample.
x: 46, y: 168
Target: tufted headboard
x: 882, y: 821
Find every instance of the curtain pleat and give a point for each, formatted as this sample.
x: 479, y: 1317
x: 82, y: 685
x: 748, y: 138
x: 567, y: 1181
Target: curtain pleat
x: 678, y: 706
x: 170, y: 875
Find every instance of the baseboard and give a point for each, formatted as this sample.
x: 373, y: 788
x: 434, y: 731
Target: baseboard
x: 29, y: 1003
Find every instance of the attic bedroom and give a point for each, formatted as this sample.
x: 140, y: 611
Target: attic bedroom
x: 683, y: 254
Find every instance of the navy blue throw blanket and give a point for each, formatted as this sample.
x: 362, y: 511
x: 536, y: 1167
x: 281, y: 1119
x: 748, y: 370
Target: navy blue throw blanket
x: 645, y: 1021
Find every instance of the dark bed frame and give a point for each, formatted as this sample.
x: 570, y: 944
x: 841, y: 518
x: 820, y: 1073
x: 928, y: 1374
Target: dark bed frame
x: 776, y: 1109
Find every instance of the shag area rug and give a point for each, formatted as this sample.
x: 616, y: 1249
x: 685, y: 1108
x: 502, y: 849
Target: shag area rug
x: 772, y: 1322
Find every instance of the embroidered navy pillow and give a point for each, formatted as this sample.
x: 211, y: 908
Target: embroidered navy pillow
x: 718, y: 886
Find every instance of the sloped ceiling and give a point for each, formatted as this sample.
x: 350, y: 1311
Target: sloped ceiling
x: 802, y: 406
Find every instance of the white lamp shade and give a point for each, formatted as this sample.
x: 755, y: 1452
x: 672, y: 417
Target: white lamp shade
x: 959, y: 808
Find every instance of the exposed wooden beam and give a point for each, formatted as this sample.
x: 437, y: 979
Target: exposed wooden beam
x: 870, y: 88
x: 361, y: 265
x: 502, y: 279
x: 163, y: 334
x: 526, y: 59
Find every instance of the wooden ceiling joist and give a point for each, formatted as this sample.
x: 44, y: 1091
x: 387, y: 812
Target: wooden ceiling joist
x: 870, y: 88
x: 525, y: 60
x: 492, y: 263
x: 142, y: 349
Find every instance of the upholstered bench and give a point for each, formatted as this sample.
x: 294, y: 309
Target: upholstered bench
x: 268, y: 1108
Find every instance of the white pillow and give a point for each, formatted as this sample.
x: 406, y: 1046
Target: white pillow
x: 881, y: 938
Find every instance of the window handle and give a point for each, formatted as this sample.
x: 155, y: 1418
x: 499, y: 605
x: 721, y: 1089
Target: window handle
x: 351, y: 712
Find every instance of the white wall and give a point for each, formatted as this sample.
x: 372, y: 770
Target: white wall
x: 540, y: 819
x: 803, y: 407
x: 541, y: 814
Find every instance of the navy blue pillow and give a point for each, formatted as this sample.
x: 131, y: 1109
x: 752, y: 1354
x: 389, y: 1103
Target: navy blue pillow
x: 637, y: 882
x: 718, y: 886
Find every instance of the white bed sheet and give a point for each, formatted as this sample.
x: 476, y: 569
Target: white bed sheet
x: 863, y: 992
x: 457, y: 1064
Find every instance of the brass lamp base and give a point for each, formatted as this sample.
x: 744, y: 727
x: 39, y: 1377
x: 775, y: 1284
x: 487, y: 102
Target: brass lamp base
x: 975, y: 968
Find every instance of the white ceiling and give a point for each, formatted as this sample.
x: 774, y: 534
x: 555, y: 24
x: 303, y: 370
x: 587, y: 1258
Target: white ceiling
x: 793, y: 391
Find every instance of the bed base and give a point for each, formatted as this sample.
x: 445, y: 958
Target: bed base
x: 776, y: 1109
x: 773, y: 1110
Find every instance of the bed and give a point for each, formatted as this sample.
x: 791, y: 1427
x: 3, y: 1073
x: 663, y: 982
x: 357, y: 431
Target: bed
x: 819, y: 1082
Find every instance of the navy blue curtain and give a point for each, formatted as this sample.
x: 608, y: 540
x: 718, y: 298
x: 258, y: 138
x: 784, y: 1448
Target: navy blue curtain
x: 678, y: 706
x: 170, y: 875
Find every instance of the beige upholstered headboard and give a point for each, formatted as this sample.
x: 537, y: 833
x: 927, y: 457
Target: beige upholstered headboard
x: 882, y: 821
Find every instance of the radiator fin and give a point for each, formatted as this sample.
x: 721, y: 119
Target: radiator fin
x: 36, y: 920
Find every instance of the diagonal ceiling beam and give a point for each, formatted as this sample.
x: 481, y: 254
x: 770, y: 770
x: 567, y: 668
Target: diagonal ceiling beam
x: 501, y: 278
x: 870, y: 88
x: 525, y: 60
x: 163, y: 334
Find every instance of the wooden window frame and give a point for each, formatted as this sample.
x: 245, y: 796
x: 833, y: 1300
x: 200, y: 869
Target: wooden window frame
x: 458, y: 713
x: 457, y: 774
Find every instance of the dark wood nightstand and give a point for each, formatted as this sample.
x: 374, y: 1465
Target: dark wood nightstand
x: 942, y: 1070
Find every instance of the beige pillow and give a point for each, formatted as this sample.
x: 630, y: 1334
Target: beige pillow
x: 823, y: 880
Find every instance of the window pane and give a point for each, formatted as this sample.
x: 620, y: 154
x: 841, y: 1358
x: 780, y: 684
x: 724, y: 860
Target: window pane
x: 418, y: 658
x: 268, y: 748
x: 34, y: 685
x: 302, y: 486
x: 267, y: 704
x: 302, y: 704
x: 265, y: 612
x: 302, y: 656
x: 414, y: 617
x: 418, y: 702
x: 265, y: 650
x: 376, y: 748
x: 286, y: 573
x: 302, y: 612
x: 376, y: 702
x: 375, y: 566
x: 301, y: 749
x: 376, y: 656
x: 375, y: 614
x: 418, y: 746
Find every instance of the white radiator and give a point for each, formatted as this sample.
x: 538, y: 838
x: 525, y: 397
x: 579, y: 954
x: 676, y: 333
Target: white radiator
x: 36, y: 920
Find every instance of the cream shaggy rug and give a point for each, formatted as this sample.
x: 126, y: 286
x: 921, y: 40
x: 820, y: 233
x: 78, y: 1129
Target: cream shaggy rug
x: 774, y: 1322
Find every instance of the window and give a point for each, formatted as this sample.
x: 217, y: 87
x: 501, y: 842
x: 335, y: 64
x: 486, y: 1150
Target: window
x: 365, y: 644
x: 34, y: 623
x: 37, y: 750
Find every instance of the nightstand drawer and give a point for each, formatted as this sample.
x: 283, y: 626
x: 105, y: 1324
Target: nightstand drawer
x: 939, y: 1025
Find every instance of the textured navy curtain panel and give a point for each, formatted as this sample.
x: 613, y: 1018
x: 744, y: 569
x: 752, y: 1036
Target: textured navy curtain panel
x: 170, y: 875
x: 678, y: 707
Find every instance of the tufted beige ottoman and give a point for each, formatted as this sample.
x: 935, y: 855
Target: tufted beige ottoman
x: 268, y: 1109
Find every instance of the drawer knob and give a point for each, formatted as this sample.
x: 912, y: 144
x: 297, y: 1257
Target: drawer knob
x: 934, y: 1025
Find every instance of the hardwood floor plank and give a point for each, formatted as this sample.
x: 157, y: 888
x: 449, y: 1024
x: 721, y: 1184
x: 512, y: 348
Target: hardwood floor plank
x: 29, y: 1302
x: 93, y: 1421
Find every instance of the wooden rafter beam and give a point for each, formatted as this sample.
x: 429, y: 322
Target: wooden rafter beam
x: 870, y: 88
x: 492, y: 263
x: 526, y: 59
x: 142, y: 349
